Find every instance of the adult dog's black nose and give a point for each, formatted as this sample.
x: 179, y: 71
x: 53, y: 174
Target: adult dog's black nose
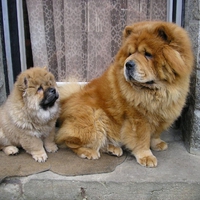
x: 130, y: 65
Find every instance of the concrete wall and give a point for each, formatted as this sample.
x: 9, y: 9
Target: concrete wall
x: 191, y: 114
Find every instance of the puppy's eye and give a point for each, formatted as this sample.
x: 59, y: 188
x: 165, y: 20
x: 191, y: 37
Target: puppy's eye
x: 40, y: 88
x: 148, y: 55
x: 50, y: 83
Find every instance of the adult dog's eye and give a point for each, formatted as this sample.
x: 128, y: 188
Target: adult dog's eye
x: 40, y: 88
x: 129, y: 54
x: 148, y: 55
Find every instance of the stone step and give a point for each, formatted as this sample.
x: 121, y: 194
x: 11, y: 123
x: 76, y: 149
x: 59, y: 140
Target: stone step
x: 177, y: 177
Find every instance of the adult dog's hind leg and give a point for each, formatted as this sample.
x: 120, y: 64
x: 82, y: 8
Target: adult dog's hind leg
x: 81, y: 149
x: 88, y: 153
x: 86, y: 135
x: 117, y: 151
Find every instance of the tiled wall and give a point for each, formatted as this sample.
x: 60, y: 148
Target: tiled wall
x: 79, y: 38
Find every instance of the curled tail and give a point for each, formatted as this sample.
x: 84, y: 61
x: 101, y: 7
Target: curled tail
x: 67, y: 89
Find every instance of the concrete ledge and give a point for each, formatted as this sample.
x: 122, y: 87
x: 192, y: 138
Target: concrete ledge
x: 176, y: 177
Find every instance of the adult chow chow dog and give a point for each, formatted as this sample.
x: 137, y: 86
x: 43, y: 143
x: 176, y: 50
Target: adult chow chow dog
x: 140, y: 95
x: 27, y: 119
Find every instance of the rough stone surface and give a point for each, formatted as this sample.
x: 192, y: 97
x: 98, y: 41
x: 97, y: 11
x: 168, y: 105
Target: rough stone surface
x: 176, y: 177
x: 190, y: 118
x: 197, y: 105
x: 195, y: 139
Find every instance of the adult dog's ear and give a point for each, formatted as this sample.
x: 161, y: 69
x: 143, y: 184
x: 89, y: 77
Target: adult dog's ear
x: 127, y: 31
x: 163, y: 33
x: 46, y: 68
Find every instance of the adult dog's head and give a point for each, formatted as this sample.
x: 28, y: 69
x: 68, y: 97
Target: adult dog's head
x: 154, y: 54
x: 38, y: 88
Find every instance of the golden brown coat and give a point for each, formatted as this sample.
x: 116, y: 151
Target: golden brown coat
x: 139, y: 96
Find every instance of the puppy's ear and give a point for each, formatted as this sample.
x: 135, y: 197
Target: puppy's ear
x: 127, y: 31
x: 25, y: 82
x: 22, y: 81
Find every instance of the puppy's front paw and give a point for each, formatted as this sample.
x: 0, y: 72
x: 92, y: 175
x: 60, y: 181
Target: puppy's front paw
x: 40, y: 157
x: 10, y: 150
x: 148, y: 161
x: 51, y: 147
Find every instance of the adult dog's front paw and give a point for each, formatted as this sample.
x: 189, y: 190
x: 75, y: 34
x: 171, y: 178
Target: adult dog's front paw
x: 146, y: 158
x: 148, y: 161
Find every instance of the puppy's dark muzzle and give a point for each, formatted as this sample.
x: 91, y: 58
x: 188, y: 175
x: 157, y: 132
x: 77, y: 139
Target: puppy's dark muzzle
x: 50, y: 97
x: 52, y: 92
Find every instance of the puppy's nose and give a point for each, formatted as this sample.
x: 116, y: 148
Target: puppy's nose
x: 130, y: 65
x: 52, y: 90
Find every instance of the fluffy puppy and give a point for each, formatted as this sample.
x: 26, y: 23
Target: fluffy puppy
x: 27, y: 118
x: 139, y: 96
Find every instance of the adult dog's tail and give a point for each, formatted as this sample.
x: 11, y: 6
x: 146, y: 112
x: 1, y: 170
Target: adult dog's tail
x: 67, y: 89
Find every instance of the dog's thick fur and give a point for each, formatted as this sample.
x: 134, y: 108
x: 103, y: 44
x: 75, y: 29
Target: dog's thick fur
x: 27, y: 119
x: 139, y: 96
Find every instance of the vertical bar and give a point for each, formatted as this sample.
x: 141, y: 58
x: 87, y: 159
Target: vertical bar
x: 179, y: 6
x: 20, y: 19
x: 7, y: 43
x: 169, y: 10
x: 150, y: 3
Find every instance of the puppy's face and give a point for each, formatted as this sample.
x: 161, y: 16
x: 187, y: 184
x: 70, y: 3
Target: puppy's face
x: 38, y: 88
